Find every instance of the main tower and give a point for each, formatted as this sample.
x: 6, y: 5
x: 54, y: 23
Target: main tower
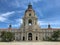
x: 30, y: 19
x: 30, y: 27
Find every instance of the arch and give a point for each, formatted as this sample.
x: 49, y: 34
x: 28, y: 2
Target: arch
x: 30, y: 36
x: 30, y: 22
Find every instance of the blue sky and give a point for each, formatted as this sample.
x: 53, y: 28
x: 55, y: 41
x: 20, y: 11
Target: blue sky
x: 47, y: 11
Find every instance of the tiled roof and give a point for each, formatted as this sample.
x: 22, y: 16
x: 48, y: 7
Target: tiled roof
x: 41, y: 29
x: 8, y: 29
x: 50, y: 28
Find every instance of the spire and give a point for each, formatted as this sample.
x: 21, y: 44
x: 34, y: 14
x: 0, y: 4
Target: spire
x: 29, y: 6
x: 29, y: 3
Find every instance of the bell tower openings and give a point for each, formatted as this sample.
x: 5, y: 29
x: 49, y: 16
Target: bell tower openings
x: 30, y: 14
x: 29, y: 22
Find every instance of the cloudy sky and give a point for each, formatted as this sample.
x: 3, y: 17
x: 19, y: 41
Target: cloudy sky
x: 47, y: 11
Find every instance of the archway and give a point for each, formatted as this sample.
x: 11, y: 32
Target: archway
x: 30, y: 36
x: 30, y: 22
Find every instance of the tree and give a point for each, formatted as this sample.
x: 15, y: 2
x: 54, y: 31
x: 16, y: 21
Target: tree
x: 7, y: 36
x: 56, y: 35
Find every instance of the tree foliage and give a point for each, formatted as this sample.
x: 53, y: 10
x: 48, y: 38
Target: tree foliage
x: 54, y: 37
x: 7, y: 36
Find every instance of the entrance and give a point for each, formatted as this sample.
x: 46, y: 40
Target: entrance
x: 30, y: 36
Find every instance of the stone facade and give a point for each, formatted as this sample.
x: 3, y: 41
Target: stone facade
x: 30, y: 30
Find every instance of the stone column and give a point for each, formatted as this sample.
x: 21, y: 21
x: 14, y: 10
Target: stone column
x: 15, y: 36
x: 21, y: 36
x: 33, y: 36
x: 38, y: 37
x: 27, y: 36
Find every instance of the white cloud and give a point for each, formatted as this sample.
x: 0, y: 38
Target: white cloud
x: 42, y: 22
x: 15, y: 25
x: 2, y: 19
x: 15, y: 3
x: 7, y: 14
x: 36, y: 0
x: 3, y: 16
x: 20, y: 11
x: 18, y: 3
x: 18, y: 23
x: 19, y: 20
x: 46, y: 23
x: 38, y: 10
x: 54, y: 24
x: 22, y: 3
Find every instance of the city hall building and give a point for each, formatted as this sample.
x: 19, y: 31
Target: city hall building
x: 30, y: 30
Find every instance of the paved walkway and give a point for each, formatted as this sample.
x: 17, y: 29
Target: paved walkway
x: 29, y: 43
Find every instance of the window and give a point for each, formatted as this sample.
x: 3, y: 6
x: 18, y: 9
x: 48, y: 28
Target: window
x: 30, y: 22
x: 30, y: 14
x: 23, y: 38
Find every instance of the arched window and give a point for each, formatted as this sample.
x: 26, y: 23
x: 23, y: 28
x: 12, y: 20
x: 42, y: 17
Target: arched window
x: 30, y: 14
x: 30, y: 22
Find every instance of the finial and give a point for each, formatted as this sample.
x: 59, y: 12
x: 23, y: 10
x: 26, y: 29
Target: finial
x: 29, y: 3
x: 10, y: 25
x: 49, y: 26
x: 29, y: 6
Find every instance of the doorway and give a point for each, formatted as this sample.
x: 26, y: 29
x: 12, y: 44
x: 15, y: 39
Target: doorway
x: 30, y: 36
